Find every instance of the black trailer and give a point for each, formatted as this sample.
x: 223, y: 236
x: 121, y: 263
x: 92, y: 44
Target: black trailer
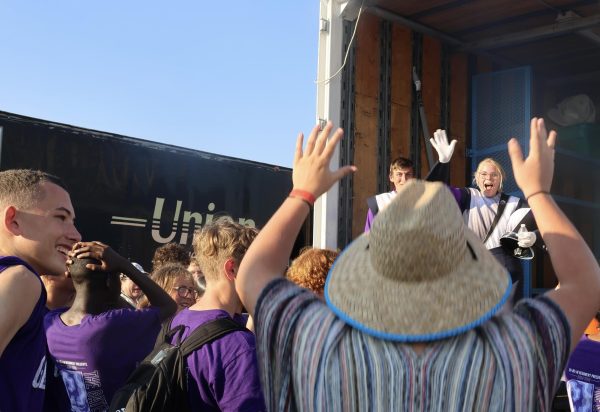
x: 135, y: 194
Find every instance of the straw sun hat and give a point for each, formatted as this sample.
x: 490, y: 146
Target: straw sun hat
x: 420, y: 274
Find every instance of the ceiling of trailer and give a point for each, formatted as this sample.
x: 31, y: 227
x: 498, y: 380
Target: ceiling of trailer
x: 559, y: 38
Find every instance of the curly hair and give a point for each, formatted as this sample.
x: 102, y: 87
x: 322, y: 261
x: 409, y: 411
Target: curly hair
x: 165, y: 277
x: 170, y: 253
x: 218, y: 241
x: 310, y: 268
x: 21, y: 187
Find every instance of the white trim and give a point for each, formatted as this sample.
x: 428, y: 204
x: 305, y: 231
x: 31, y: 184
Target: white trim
x: 325, y: 221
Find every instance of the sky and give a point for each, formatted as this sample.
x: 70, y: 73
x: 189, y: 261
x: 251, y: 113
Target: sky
x: 234, y: 78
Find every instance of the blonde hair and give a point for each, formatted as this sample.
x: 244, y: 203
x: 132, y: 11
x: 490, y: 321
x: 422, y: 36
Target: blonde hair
x: 498, y: 167
x: 165, y: 277
x: 310, y: 268
x: 218, y: 241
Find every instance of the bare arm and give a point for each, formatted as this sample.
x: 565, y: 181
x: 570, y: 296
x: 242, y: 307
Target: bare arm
x: 19, y: 293
x: 573, y: 261
x: 268, y: 255
x: 113, y: 262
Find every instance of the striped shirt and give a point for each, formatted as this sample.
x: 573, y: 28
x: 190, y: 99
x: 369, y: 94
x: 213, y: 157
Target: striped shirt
x: 310, y: 360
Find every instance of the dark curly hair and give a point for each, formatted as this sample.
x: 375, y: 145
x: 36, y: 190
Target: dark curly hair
x: 170, y: 253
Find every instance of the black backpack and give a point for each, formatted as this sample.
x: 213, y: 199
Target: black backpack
x: 160, y: 382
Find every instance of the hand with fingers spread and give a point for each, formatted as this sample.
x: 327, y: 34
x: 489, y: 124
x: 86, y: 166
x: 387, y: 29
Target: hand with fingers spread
x: 311, y: 167
x: 110, y: 261
x: 439, y: 141
x: 534, y: 173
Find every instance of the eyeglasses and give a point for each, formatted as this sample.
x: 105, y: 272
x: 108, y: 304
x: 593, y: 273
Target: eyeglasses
x: 184, y: 292
x: 485, y: 175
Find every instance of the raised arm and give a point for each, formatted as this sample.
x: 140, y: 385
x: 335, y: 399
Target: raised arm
x: 440, y: 172
x: 268, y: 255
x: 111, y: 261
x: 573, y: 261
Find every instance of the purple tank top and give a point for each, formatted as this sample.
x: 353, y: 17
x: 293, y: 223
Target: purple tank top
x: 23, y: 363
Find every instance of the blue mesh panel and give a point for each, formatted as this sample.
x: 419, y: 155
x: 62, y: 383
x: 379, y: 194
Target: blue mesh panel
x: 501, y: 109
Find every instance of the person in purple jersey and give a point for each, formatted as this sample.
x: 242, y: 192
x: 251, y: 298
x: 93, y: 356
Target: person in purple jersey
x: 36, y: 233
x: 224, y: 373
x: 96, y: 343
x: 583, y: 373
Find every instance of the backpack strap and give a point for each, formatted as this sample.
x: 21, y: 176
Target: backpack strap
x: 163, y: 334
x: 501, y: 207
x: 207, y: 333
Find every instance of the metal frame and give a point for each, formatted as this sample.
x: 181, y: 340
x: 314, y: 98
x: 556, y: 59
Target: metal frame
x: 347, y: 110
x: 385, y: 98
x: 539, y: 33
x: 415, y: 126
x: 445, y: 89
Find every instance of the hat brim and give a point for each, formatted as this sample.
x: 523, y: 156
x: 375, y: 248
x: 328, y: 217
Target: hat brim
x: 436, y: 309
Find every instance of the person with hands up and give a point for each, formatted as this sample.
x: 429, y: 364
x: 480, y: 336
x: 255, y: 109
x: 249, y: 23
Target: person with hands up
x: 416, y: 301
x: 501, y: 221
x: 402, y: 170
x: 95, y: 344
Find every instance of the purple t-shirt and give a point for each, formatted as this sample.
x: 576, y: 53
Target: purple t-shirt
x: 224, y: 372
x: 96, y: 357
x: 583, y: 376
x: 23, y: 362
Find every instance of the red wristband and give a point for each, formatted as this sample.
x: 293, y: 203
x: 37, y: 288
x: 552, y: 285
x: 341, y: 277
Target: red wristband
x: 304, y: 195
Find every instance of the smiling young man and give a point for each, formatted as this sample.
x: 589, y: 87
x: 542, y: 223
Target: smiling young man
x: 402, y: 171
x: 36, y: 233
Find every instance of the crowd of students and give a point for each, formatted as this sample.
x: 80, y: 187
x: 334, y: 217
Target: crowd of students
x: 415, y: 314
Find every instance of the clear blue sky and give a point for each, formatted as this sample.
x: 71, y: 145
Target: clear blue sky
x: 229, y: 77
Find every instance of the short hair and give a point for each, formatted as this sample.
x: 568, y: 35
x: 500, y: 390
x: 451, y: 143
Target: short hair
x: 310, y: 268
x: 498, y: 167
x: 170, y: 253
x: 218, y: 241
x: 81, y: 274
x: 401, y: 163
x: 165, y: 277
x: 21, y: 187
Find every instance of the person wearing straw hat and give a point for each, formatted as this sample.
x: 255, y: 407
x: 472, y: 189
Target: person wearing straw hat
x: 414, y: 317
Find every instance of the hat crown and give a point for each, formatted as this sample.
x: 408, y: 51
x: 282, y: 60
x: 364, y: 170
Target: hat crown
x: 420, y: 235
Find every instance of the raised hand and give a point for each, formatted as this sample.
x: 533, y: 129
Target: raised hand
x: 439, y: 141
x: 534, y: 173
x: 110, y: 261
x: 311, y: 167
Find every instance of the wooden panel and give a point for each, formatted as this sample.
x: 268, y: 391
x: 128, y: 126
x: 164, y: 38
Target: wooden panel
x: 459, y: 89
x: 401, y: 91
x: 366, y: 86
x: 477, y: 13
x: 431, y: 79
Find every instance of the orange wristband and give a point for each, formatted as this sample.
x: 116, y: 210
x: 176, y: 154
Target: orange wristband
x: 308, y: 197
